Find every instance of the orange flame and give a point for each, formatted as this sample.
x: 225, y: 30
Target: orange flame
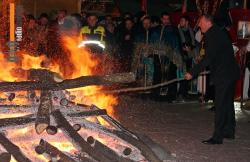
x: 80, y: 62
x: 82, y: 65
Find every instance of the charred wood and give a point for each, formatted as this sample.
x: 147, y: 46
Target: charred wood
x: 127, y: 151
x: 51, y: 130
x: 13, y: 149
x: 85, y: 146
x: 27, y: 119
x: 43, y: 114
x: 11, y: 97
x: 68, y: 83
x: 77, y: 127
x: 5, y: 157
x: 89, y: 113
x: 6, y: 122
x: 45, y: 147
x: 145, y: 150
x: 106, y: 150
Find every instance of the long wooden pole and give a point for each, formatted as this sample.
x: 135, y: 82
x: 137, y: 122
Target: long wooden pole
x: 68, y: 83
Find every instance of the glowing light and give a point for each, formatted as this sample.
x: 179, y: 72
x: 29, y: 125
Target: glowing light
x: 89, y: 42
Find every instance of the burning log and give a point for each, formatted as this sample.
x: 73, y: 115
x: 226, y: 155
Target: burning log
x: 71, y: 103
x: 106, y: 150
x: 17, y: 121
x: 31, y: 94
x: 68, y: 83
x: 13, y: 149
x: 5, y: 157
x: 113, y: 122
x: 145, y: 150
x: 89, y: 113
x: 134, y: 140
x: 43, y: 114
x: 77, y: 127
x: 11, y: 97
x: 64, y: 102
x: 42, y: 75
x: 127, y: 151
x: 45, y: 147
x: 51, y: 130
x: 72, y: 97
x: 85, y: 159
x: 85, y: 146
x: 5, y: 106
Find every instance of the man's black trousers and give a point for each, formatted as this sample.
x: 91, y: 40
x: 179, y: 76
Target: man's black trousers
x: 224, y: 113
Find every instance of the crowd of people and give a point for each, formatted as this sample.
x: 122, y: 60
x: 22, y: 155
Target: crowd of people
x: 151, y: 46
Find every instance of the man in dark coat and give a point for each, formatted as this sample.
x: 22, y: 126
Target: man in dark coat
x: 167, y: 35
x: 219, y: 56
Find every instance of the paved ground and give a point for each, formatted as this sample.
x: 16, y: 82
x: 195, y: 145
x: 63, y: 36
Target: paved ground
x: 180, y: 128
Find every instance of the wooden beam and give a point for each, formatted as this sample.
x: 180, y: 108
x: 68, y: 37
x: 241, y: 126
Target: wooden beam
x: 43, y: 114
x: 45, y: 147
x: 106, y: 150
x: 68, y: 83
x: 5, y: 157
x: 88, y: 113
x: 145, y: 150
x: 13, y: 149
x: 85, y: 146
x: 27, y: 119
x: 18, y: 121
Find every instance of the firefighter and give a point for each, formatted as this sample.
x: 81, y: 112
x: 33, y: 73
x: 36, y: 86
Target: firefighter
x: 93, y: 35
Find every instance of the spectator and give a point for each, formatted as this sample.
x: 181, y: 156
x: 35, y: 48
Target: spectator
x: 126, y: 44
x: 138, y: 18
x: 95, y: 32
x: 121, y: 26
x: 43, y: 33
x: 83, y: 18
x: 30, y: 35
x: 43, y: 20
x: 107, y: 20
x: 188, y: 52
x: 110, y: 38
x: 166, y: 35
x: 146, y: 64
x: 155, y: 22
x: 60, y: 17
x: 78, y: 20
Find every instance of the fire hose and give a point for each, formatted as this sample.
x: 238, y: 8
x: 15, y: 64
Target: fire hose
x: 134, y: 89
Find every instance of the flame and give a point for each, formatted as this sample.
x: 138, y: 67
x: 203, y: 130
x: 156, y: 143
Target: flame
x: 79, y: 62
x: 31, y: 62
x: 13, y: 159
x: 84, y: 64
x: 5, y: 74
x: 64, y: 146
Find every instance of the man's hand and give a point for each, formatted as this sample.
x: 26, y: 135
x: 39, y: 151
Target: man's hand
x: 188, y: 76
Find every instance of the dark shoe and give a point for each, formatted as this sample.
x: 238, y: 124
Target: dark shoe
x: 230, y: 137
x: 212, y: 141
x: 212, y: 108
